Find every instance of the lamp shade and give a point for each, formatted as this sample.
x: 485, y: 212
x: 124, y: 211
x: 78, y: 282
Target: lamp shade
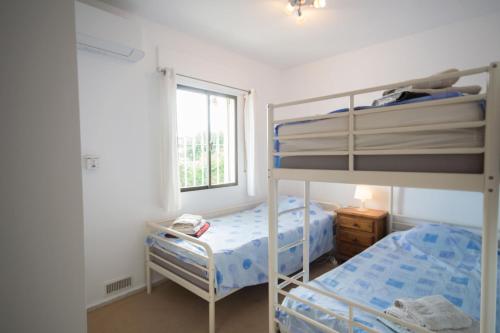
x: 362, y: 193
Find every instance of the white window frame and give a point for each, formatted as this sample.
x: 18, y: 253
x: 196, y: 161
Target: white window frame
x: 235, y: 99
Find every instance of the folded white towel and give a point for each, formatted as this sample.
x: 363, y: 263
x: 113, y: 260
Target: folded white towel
x: 188, y: 230
x: 188, y: 223
x: 393, y: 326
x: 434, y: 312
x: 400, y: 314
x: 188, y: 219
x: 187, y: 226
x: 474, y: 328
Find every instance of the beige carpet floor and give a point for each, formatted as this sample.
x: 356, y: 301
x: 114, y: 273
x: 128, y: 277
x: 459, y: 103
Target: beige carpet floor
x: 173, y: 309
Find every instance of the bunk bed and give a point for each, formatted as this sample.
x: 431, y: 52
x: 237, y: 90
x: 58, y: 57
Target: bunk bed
x: 381, y: 146
x: 232, y: 253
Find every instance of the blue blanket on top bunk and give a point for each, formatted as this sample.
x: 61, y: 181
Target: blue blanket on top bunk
x: 443, y: 95
x: 426, y: 260
x: 239, y: 243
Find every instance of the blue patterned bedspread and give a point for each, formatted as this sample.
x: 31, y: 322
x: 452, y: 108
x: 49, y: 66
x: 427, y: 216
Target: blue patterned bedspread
x: 239, y: 243
x: 426, y: 260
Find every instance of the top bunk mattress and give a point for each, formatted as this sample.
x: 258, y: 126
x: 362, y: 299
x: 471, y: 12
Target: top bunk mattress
x: 420, y: 116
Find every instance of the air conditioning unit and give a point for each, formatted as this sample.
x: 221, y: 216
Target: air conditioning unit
x: 105, y: 33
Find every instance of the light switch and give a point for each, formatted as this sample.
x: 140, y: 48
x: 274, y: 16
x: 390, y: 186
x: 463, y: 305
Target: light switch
x: 91, y: 162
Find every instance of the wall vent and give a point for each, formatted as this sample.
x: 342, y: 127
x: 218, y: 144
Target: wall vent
x: 118, y: 285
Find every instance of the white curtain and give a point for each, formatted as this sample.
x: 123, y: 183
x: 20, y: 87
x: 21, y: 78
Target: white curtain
x: 170, y: 191
x: 249, y: 129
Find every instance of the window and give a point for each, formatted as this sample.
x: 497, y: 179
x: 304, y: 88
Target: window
x: 206, y: 124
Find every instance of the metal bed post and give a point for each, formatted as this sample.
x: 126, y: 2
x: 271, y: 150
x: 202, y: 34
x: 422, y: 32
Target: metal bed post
x: 273, y: 221
x: 148, y: 273
x: 351, y: 133
x: 490, y: 203
x: 391, y: 209
x: 305, y: 245
x: 148, y: 269
x: 211, y: 295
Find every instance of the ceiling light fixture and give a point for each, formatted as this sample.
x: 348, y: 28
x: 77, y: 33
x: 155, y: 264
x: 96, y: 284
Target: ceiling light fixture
x: 296, y: 6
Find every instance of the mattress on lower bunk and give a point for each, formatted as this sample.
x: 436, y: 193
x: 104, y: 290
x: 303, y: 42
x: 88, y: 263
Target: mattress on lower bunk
x: 239, y: 244
x: 426, y: 260
x: 443, y: 114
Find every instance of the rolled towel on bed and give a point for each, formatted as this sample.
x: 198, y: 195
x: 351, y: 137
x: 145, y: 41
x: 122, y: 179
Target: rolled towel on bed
x: 436, y: 87
x: 432, y: 84
x: 434, y: 312
x: 438, y: 84
x: 469, y: 90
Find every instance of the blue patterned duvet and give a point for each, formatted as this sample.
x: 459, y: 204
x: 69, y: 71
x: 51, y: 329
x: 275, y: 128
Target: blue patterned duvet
x: 239, y: 243
x: 426, y: 260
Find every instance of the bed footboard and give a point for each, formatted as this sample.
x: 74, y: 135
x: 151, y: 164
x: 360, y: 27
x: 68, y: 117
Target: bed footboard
x: 199, y: 279
x: 352, y: 306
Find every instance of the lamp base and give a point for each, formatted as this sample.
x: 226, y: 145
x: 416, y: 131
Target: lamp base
x: 362, y: 208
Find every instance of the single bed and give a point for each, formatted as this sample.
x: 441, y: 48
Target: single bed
x: 426, y: 260
x: 239, y: 244
x: 302, y: 144
x: 233, y: 253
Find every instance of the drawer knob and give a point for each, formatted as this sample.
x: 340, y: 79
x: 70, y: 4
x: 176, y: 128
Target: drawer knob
x: 356, y: 225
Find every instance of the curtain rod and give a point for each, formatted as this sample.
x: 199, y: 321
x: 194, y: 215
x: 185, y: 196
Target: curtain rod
x: 164, y: 71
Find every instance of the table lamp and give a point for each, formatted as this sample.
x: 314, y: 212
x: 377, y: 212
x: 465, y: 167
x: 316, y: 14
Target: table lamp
x: 362, y: 193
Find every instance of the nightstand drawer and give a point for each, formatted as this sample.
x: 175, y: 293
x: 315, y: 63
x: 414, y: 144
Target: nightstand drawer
x: 355, y: 222
x: 358, y: 238
x: 349, y: 250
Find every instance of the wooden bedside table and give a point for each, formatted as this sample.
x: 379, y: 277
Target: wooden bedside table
x: 358, y: 230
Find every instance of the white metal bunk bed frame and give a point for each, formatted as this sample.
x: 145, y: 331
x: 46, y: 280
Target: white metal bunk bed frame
x: 487, y: 183
x: 210, y: 295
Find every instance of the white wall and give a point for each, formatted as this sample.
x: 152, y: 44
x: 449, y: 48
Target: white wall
x: 41, y: 222
x: 119, y: 105
x: 463, y: 45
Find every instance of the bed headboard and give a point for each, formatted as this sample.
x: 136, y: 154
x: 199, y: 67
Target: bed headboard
x: 167, y: 220
x: 330, y: 206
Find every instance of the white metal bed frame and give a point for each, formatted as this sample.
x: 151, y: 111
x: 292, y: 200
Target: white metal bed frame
x: 487, y: 183
x: 152, y: 227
